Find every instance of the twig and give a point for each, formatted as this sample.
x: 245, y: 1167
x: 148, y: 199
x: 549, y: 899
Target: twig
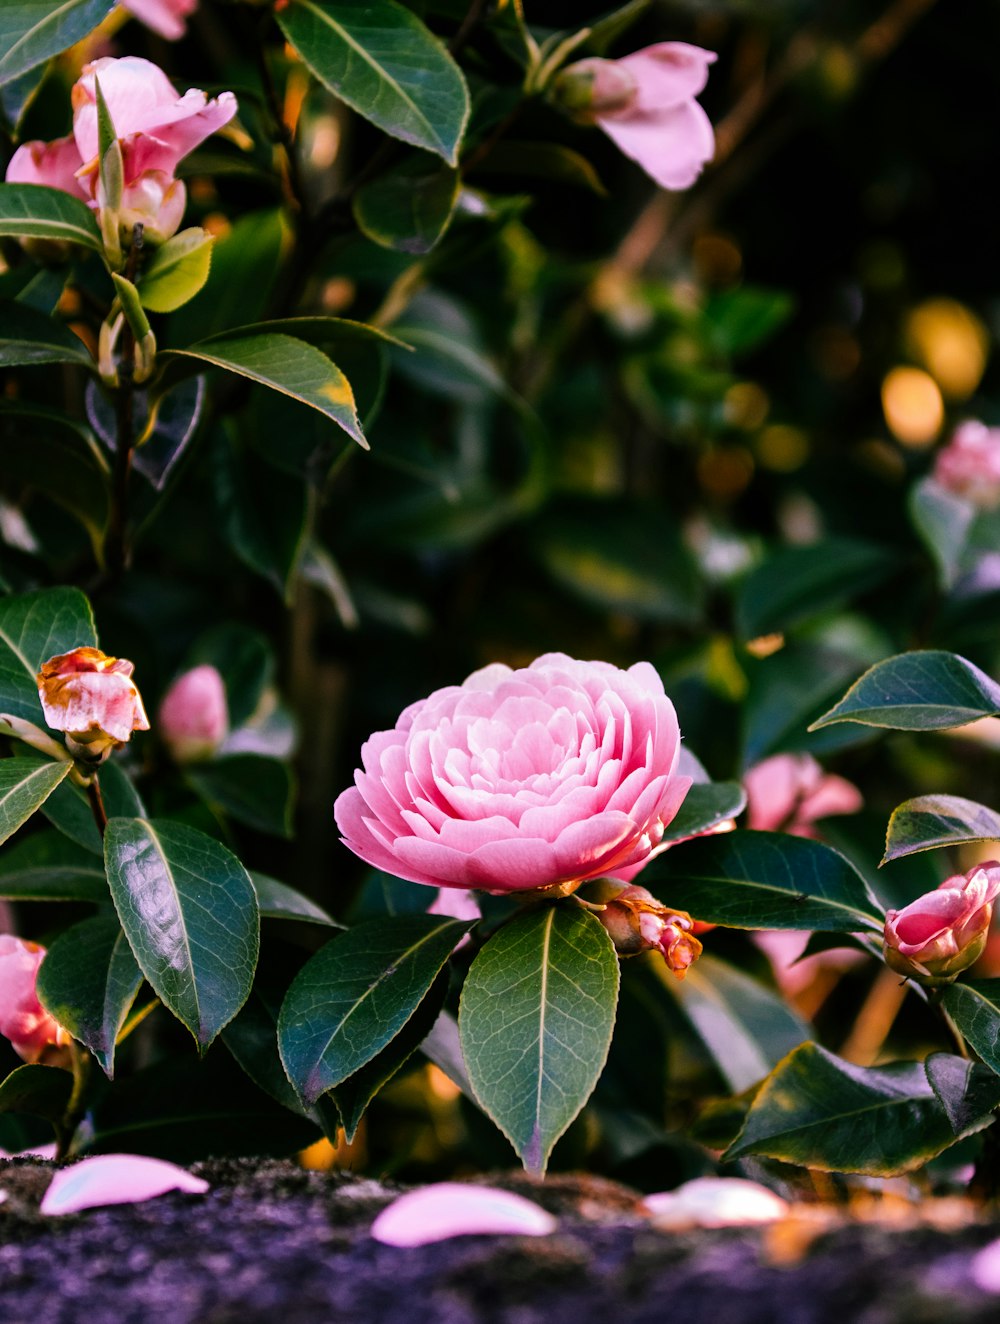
x: 97, y: 804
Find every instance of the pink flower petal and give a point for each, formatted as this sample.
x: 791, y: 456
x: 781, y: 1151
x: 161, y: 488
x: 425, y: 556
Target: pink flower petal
x: 115, y: 1179
x: 452, y: 1209
x: 715, y: 1202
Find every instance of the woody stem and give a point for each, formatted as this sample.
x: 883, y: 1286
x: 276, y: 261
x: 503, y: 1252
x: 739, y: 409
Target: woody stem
x: 97, y: 804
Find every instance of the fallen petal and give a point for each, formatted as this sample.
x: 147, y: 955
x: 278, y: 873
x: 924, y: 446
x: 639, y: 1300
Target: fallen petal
x: 985, y: 1268
x: 715, y: 1202
x: 116, y: 1179
x: 453, y: 1209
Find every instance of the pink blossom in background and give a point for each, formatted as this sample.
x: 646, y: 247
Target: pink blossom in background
x: 789, y: 792
x: 514, y: 780
x: 93, y: 698
x: 23, y: 1019
x: 193, y: 719
x: 454, y: 1209
x: 942, y: 933
x: 115, y: 1179
x: 165, y: 17
x: 645, y: 103
x: 969, y: 465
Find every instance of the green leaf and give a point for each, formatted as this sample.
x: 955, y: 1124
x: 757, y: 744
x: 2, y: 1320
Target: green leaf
x: 820, y: 1111
x: 929, y: 821
x: 288, y: 365
x: 28, y: 336
x: 32, y: 211
x: 604, y: 31
x: 536, y: 1018
x: 254, y: 790
x: 549, y: 161
x: 25, y: 783
x: 705, y: 805
x: 189, y: 911
x: 177, y: 270
x: 381, y: 60
x: 33, y: 628
x: 763, y: 880
x: 975, y: 1009
x: 32, y: 31
x: 47, y: 867
x: 738, y: 320
x: 919, y: 691
x: 944, y: 522
x: 796, y: 583
x: 265, y: 513
x: 357, y: 993
x: 967, y: 1091
x: 88, y: 982
x: 410, y: 207
x: 279, y: 901
x: 68, y: 808
x: 40, y: 1091
x: 245, y: 266
x: 746, y: 1028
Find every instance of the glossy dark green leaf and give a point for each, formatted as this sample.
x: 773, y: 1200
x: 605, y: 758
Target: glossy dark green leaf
x: 549, y: 161
x: 380, y: 59
x: 705, y: 805
x: 822, y: 1112
x: 25, y: 784
x: 975, y: 1009
x: 28, y: 336
x: 88, y: 981
x: 796, y: 583
x: 944, y: 522
x: 357, y: 993
x: 408, y: 208
x: 68, y: 808
x: 265, y: 513
x: 32, y: 31
x: 763, y: 880
x: 536, y: 1018
x: 164, y: 434
x: 37, y: 1090
x: 290, y: 366
x: 384, y: 894
x: 930, y: 821
x: 920, y: 691
x: 33, y: 628
x: 246, y: 263
x: 967, y: 1091
x: 190, y: 913
x: 279, y: 901
x: 746, y: 1027
x: 47, y: 867
x: 254, y: 790
x: 32, y: 211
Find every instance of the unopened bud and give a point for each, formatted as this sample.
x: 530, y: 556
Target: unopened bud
x: 593, y: 87
x: 107, y: 339
x: 637, y: 922
x: 194, y: 716
x: 936, y: 937
x: 145, y: 358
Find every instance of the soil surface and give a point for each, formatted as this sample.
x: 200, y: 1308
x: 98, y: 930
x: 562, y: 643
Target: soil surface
x: 270, y: 1242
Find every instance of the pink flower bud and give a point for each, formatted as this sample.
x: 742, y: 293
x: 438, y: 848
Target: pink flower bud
x: 637, y: 922
x: 969, y: 465
x: 939, y: 935
x: 93, y: 699
x: 165, y: 17
x: 789, y: 792
x: 155, y: 201
x: 23, y: 1019
x: 194, y: 716
x: 646, y: 105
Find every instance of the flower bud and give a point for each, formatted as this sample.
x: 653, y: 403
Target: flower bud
x: 637, y: 922
x: 594, y: 87
x: 93, y: 699
x: 23, y: 1019
x: 194, y: 716
x: 936, y: 937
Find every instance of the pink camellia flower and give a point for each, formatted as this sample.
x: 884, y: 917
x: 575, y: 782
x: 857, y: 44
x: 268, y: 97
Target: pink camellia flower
x: 156, y: 129
x: 789, y: 792
x: 969, y: 465
x: 23, y: 1019
x: 93, y: 698
x: 194, y: 716
x: 165, y: 17
x: 515, y: 780
x: 646, y: 105
x: 942, y: 933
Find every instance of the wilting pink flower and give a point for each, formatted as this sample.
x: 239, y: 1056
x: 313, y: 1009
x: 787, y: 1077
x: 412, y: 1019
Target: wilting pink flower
x: 164, y: 16
x: 23, y: 1019
x: 637, y: 922
x: 454, y: 1209
x: 789, y: 792
x: 969, y: 465
x: 646, y: 105
x: 514, y: 780
x: 194, y: 716
x: 115, y: 1179
x: 93, y: 698
x: 939, y: 935
x: 156, y: 129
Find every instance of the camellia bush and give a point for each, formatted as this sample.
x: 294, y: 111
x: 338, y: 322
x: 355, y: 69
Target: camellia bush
x: 389, y: 387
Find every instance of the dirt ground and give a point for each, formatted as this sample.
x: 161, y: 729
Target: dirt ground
x: 271, y: 1242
